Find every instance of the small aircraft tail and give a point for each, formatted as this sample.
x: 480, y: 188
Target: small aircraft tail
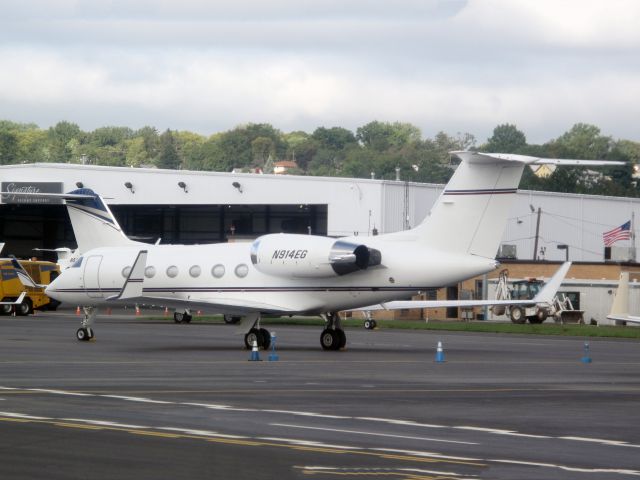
x: 23, y: 276
x: 620, y: 306
x: 93, y: 223
x: 471, y: 214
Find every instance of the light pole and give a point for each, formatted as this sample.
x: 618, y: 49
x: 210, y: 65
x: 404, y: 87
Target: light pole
x: 565, y: 247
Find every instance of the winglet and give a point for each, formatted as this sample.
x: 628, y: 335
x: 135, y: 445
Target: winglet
x: 550, y: 288
x: 23, y: 276
x: 132, y: 287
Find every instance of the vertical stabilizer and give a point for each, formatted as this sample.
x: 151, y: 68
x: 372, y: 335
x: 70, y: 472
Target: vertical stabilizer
x: 620, y: 306
x: 93, y: 223
x: 471, y: 214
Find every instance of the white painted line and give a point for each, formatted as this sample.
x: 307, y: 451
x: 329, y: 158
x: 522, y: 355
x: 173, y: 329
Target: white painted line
x: 104, y: 423
x: 226, y: 408
x: 136, y: 399
x: 22, y: 415
x: 8, y: 388
x: 571, y: 469
x: 307, y: 443
x: 306, y: 414
x: 374, y: 434
x: 200, y: 433
x: 428, y: 454
x: 362, y: 471
x: 60, y: 392
x: 401, y: 422
x: 617, y: 443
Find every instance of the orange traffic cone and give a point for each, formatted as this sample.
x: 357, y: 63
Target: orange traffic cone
x: 166, y: 311
x: 199, y: 312
x: 109, y: 311
x: 137, y: 310
x: 78, y: 310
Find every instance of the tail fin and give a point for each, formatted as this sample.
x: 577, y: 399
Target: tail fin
x: 471, y: 214
x: 93, y: 223
x: 23, y: 276
x: 620, y: 306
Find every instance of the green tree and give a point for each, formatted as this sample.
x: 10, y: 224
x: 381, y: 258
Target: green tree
x: 382, y: 136
x: 60, y: 141
x: 9, y: 147
x: 168, y: 157
x: 506, y: 138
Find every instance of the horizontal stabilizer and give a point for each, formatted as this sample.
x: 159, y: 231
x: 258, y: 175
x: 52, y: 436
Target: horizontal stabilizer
x: 477, y: 157
x: 132, y: 287
x: 544, y: 297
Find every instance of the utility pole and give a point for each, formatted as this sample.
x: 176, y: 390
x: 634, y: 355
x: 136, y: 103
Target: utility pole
x: 535, y: 246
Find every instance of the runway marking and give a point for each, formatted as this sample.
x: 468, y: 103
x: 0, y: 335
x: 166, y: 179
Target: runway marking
x: 137, y: 399
x: 428, y: 454
x: 408, y: 473
x: 634, y: 473
x: 373, y: 434
x: 102, y: 426
x: 307, y: 443
x: 400, y: 422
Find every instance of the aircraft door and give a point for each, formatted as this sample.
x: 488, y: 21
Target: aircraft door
x: 91, y: 276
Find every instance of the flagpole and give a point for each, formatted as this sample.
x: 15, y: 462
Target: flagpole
x: 633, y: 234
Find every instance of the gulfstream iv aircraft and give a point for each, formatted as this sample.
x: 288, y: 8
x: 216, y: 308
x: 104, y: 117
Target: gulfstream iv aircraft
x: 298, y: 274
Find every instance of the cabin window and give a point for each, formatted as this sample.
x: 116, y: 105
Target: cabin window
x: 172, y: 271
x: 218, y: 271
x: 126, y: 271
x: 242, y: 270
x: 195, y: 271
x: 150, y: 272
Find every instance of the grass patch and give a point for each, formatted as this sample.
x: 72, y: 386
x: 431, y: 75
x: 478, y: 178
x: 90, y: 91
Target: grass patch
x: 546, y: 328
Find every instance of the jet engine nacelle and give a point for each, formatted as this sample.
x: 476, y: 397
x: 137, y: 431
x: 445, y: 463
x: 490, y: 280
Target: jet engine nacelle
x: 290, y: 255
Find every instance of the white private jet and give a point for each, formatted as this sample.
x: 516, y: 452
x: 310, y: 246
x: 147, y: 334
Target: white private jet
x: 620, y: 307
x: 290, y: 274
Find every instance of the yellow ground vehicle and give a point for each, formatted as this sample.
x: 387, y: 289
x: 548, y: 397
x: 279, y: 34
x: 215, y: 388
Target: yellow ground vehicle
x: 41, y: 272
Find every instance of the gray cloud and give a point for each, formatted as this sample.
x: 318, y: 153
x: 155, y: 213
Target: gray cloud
x: 207, y: 66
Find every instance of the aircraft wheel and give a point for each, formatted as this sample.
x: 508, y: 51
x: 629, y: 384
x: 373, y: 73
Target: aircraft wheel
x: 368, y: 325
x: 83, y: 334
x: 329, y: 339
x: 266, y: 338
x: 254, y: 335
x: 517, y: 315
x: 231, y: 319
x: 374, y: 324
x: 186, y: 318
x: 342, y: 339
x: 178, y: 317
x: 25, y: 308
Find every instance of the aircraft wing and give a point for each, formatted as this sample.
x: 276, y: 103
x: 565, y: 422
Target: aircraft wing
x: 545, y: 296
x: 624, y: 318
x: 219, y: 305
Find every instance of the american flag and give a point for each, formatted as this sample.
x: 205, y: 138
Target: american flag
x: 623, y: 232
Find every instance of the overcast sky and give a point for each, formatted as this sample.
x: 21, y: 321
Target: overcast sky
x: 207, y: 66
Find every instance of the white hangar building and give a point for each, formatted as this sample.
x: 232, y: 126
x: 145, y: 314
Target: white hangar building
x: 180, y: 206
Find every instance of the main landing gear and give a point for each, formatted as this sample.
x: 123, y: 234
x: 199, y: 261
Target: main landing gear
x: 256, y: 333
x: 182, y: 317
x: 85, y: 332
x: 333, y: 336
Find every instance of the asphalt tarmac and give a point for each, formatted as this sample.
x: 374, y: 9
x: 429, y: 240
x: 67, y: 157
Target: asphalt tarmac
x: 154, y: 400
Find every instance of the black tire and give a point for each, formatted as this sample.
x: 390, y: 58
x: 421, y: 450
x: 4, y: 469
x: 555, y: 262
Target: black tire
x: 178, y: 317
x: 342, y: 339
x: 266, y: 338
x: 367, y: 325
x: 329, y: 339
x: 374, y: 324
x: 6, y: 309
x: 517, y: 315
x: 82, y: 334
x: 231, y: 319
x: 186, y: 318
x: 53, y: 305
x: 251, y: 336
x: 25, y: 308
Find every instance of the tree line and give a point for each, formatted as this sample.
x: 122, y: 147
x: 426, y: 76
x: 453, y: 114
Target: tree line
x: 376, y: 149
